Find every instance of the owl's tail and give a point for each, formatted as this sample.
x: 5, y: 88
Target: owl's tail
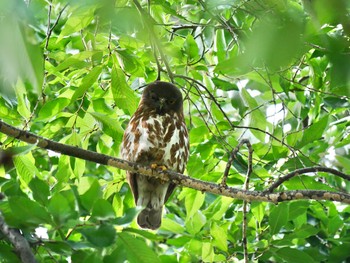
x: 150, y: 218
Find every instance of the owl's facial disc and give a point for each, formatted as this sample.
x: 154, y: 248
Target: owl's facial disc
x: 163, y: 97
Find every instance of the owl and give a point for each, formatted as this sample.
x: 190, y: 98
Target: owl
x: 155, y: 136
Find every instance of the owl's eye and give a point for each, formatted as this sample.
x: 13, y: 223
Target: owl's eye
x: 172, y: 101
x: 154, y: 97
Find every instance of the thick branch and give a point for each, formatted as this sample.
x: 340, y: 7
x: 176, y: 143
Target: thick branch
x: 174, y: 177
x: 20, y: 244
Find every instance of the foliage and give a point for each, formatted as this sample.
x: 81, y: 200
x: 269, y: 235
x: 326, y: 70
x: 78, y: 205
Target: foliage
x: 275, y: 72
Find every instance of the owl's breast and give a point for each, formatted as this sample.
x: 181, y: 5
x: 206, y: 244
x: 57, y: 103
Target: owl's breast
x: 161, y: 139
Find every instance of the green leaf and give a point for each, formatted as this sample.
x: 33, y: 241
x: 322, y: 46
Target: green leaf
x: 179, y: 241
x: 258, y: 210
x: 23, y: 104
x: 79, y: 166
x: 220, y: 236
x: 124, y: 97
x: 208, y: 252
x: 193, y: 201
x: 60, y: 209
x: 296, y: 208
x: 279, y: 217
x: 109, y: 126
x: 131, y: 63
x: 7, y: 255
x: 64, y: 171
x: 21, y: 56
x: 234, y: 67
x: 100, y: 236
x: 28, y: 211
x: 7, y: 111
x: 59, y: 247
x: 293, y: 255
x: 25, y: 167
x: 87, y: 82
x: 127, y: 218
x: 22, y: 150
x: 90, y: 191
x: 220, y: 44
x: 224, y: 85
x: 344, y: 161
x: 78, y: 20
x: 191, y: 48
x: 102, y: 210
x: 40, y: 189
x: 52, y: 108
x: 195, y: 223
x: 335, y: 102
x: 137, y: 250
x: 304, y: 231
x: 314, y: 132
x: 340, y: 253
x: 335, y: 224
x: 172, y: 226
x: 144, y: 233
x: 76, y: 61
x: 218, y: 208
x: 256, y: 117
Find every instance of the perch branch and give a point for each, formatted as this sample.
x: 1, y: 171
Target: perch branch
x: 20, y: 244
x: 172, y: 176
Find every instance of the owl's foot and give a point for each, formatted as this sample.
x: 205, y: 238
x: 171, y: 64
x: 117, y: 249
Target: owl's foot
x: 156, y: 166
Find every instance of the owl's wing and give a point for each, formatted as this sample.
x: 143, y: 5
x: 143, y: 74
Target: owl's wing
x: 170, y: 190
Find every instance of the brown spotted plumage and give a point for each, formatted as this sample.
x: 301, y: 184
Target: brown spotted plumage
x: 156, y: 135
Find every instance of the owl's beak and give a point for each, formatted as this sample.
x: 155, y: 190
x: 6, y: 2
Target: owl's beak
x: 161, y: 103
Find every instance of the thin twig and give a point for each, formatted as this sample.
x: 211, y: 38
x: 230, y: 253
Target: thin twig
x: 50, y: 29
x: 230, y: 161
x: 245, y: 203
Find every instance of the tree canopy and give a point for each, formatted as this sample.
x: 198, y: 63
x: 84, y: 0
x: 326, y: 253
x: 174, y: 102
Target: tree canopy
x: 266, y: 88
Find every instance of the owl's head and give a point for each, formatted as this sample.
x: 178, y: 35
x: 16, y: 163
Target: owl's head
x: 163, y: 97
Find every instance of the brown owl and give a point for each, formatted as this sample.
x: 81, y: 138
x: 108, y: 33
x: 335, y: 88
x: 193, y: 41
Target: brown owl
x: 156, y: 136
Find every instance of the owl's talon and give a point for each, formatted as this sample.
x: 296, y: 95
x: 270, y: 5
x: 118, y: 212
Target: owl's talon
x: 163, y: 167
x: 160, y: 167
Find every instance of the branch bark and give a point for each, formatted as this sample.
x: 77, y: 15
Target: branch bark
x: 20, y: 244
x: 315, y: 169
x: 177, y: 178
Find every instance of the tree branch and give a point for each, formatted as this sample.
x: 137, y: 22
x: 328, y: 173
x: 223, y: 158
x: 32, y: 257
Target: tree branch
x: 172, y: 176
x: 20, y: 244
x: 315, y: 169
